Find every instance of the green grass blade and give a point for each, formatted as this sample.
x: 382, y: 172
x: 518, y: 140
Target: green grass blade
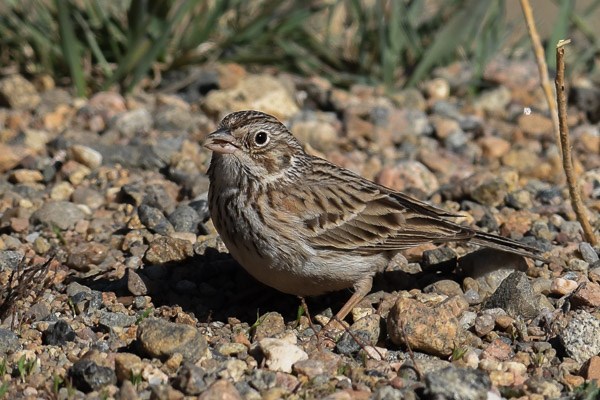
x: 70, y: 45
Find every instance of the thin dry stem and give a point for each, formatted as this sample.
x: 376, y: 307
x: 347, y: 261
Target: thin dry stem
x: 542, y: 67
x: 565, y: 143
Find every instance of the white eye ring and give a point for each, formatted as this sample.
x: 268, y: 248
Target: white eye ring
x: 261, y: 138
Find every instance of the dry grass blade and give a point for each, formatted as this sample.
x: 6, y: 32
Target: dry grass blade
x: 28, y: 279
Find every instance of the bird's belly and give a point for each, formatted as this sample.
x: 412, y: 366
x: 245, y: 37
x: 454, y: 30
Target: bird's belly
x: 316, y: 275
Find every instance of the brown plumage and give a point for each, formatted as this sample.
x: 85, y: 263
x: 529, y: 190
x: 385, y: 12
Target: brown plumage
x: 305, y: 226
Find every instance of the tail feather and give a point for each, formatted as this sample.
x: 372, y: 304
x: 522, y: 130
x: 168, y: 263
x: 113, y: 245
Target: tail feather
x: 508, y: 245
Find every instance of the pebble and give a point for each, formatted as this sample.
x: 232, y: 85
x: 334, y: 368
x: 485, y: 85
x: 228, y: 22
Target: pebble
x: 131, y: 123
x: 280, y: 355
x: 58, y: 334
x: 409, y: 175
x: 586, y: 295
x: 167, y: 249
x: 484, y: 324
x: 191, y: 379
x: 185, y: 219
x: 115, y: 319
x: 86, y: 156
x: 515, y: 296
x: 18, y: 93
x: 9, y: 341
x: 162, y: 339
x: 592, y: 369
x: 458, y: 383
x: 127, y: 365
x: 83, y: 256
x: 154, y: 220
x: 270, y: 325
x: 25, y: 176
x: 581, y: 336
x: 433, y: 330
x: 588, y: 253
x: 88, y: 376
x: 562, y: 287
x: 10, y: 259
x: 62, y: 214
x: 366, y: 330
x: 221, y: 389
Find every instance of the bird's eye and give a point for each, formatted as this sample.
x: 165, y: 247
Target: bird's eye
x: 261, y: 138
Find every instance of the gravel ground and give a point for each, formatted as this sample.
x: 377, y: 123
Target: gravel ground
x: 116, y: 285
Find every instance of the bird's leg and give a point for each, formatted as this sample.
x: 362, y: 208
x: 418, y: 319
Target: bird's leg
x: 361, y: 289
x: 305, y: 307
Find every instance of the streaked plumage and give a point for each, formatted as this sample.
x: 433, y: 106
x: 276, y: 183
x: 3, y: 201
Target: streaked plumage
x: 305, y: 226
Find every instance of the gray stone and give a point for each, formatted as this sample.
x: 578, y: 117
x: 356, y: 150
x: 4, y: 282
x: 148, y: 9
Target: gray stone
x: 112, y: 319
x: 185, y: 219
x: 133, y: 122
x: 58, y: 334
x: 10, y: 259
x: 588, y: 253
x: 62, y: 214
x: 88, y: 376
x: 515, y: 295
x: 458, y: 384
x: 191, y: 379
x: 154, y: 220
x: 581, y: 336
x: 9, y: 341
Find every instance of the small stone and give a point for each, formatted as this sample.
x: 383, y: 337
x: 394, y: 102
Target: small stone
x: 127, y: 365
x: 185, y: 219
x: 409, y: 175
x: 592, y: 369
x: 58, y: 334
x: 232, y: 349
x: 586, y: 295
x: 167, y: 249
x: 61, y: 191
x: 366, y: 329
x: 86, y: 156
x: 588, y: 253
x: 438, y: 255
x: 87, y: 196
x: 136, y: 284
x: 578, y: 265
x: 519, y: 199
x: 131, y: 123
x: 494, y: 101
x: 10, y: 259
x: 280, y: 355
x: 271, y: 324
x: 581, y: 336
x: 309, y: 368
x: 562, y: 286
x: 484, y: 324
x: 191, y: 379
x: 18, y: 93
x: 88, y: 376
x: 9, y: 342
x: 25, y: 176
x: 316, y: 129
x: 11, y: 156
x: 515, y: 296
x: 446, y: 287
x: 434, y: 330
x: 162, y: 339
x: 494, y: 147
x: 87, y: 254
x: 221, y: 390
x: 154, y: 220
x: 535, y: 124
x: 458, y: 383
x: 115, y: 319
x: 62, y: 214
x: 437, y: 89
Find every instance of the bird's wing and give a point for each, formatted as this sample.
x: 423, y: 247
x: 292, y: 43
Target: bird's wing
x: 345, y: 211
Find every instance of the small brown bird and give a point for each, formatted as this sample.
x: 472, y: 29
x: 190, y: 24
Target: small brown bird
x: 305, y: 226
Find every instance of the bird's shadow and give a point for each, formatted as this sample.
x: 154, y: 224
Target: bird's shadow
x: 214, y: 287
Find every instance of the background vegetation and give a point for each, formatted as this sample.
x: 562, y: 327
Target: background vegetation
x: 100, y: 43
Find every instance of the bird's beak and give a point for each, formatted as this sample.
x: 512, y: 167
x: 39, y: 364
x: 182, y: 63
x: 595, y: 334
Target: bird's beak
x: 221, y: 141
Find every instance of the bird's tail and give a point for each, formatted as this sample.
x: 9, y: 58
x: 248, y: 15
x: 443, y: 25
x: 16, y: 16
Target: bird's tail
x: 508, y: 245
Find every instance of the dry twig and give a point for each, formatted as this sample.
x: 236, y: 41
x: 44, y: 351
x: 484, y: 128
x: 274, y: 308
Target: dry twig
x: 542, y: 67
x: 574, y: 192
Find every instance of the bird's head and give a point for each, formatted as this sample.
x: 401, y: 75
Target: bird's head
x: 253, y: 143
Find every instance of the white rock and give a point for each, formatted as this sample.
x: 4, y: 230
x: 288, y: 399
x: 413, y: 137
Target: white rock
x: 280, y: 354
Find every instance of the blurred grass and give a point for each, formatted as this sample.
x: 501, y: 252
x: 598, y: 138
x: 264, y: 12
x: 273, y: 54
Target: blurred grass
x: 99, y: 44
